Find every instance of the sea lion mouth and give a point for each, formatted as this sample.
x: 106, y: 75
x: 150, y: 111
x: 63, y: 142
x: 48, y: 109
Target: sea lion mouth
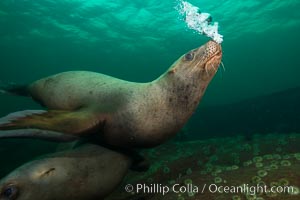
x: 213, y: 53
x: 215, y: 58
x: 207, y: 56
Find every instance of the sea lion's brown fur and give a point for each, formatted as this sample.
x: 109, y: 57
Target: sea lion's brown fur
x: 89, y: 172
x: 124, y: 113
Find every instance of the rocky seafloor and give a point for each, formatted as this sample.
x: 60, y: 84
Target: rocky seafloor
x: 262, y: 160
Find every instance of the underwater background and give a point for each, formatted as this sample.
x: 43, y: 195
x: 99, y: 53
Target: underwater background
x: 137, y: 40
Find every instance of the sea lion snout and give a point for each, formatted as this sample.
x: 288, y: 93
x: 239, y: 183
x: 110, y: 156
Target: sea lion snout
x: 202, y: 61
x: 212, y: 48
x: 211, y: 57
x: 204, y: 54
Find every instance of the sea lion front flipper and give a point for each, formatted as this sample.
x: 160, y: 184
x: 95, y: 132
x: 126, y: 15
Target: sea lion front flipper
x: 50, y: 125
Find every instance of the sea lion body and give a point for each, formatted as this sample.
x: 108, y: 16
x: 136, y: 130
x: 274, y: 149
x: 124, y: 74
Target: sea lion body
x: 90, y: 172
x: 138, y: 108
x: 128, y: 114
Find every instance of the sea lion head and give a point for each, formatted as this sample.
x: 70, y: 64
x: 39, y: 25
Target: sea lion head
x: 86, y: 172
x: 202, y: 62
x: 185, y: 82
x: 29, y: 182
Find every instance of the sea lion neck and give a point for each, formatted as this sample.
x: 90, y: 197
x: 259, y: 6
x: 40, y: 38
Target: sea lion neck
x: 182, y: 92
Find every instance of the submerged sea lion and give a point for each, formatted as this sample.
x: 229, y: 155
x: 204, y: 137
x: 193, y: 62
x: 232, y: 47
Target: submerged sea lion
x: 89, y: 172
x: 123, y: 113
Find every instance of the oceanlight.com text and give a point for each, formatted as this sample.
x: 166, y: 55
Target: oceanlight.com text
x: 212, y: 188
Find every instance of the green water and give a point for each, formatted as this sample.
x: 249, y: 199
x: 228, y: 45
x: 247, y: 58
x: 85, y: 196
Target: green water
x: 138, y: 40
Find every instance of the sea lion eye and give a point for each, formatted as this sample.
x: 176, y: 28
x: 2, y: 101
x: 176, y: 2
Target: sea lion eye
x: 189, y: 56
x: 10, y: 192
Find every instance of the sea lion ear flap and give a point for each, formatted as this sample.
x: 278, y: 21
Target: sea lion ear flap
x: 48, y: 172
x: 172, y: 71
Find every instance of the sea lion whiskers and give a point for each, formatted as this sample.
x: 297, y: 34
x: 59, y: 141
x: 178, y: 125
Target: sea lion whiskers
x: 197, y: 63
x: 212, y: 66
x: 196, y: 68
x: 222, y: 64
x: 206, y: 70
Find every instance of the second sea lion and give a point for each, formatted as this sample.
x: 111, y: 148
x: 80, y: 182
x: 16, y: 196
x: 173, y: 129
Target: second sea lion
x: 89, y: 172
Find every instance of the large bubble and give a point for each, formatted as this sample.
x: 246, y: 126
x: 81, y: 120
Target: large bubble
x: 200, y: 22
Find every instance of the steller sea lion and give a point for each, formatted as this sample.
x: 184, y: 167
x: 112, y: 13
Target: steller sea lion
x: 124, y: 114
x: 89, y: 172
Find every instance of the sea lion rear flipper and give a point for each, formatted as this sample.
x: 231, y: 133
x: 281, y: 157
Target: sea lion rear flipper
x: 50, y: 125
x: 14, y: 89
